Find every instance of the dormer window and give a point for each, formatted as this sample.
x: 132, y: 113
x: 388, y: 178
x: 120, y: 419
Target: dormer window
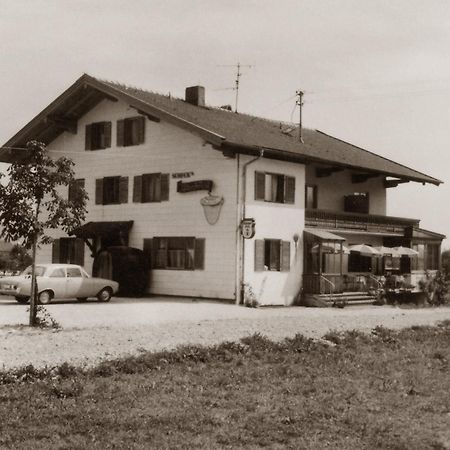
x: 131, y: 131
x: 98, y: 136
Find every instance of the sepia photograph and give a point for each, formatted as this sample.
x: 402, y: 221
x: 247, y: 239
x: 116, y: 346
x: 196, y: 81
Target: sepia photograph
x: 224, y: 224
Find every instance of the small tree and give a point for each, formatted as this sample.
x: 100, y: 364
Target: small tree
x: 30, y: 203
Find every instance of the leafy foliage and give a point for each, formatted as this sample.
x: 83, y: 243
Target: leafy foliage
x: 30, y: 203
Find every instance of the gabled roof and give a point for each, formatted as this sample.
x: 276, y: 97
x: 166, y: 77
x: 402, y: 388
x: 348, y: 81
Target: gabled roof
x: 228, y: 131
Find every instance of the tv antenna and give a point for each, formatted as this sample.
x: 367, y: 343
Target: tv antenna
x: 236, y: 83
x: 299, y: 102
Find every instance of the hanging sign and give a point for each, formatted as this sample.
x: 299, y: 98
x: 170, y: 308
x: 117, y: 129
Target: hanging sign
x: 248, y: 228
x: 199, y: 185
x: 182, y: 174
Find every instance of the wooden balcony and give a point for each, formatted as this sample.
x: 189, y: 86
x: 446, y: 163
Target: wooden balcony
x: 332, y: 220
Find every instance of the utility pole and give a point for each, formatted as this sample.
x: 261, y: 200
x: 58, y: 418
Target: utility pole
x: 299, y: 102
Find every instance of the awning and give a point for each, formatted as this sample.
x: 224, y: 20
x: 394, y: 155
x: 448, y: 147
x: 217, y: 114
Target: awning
x: 322, y: 236
x: 92, y: 230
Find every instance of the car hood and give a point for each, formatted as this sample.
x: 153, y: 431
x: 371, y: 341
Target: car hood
x: 14, y: 279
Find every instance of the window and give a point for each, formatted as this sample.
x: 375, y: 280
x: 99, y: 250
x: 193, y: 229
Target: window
x: 73, y: 272
x: 58, y: 273
x: 276, y: 188
x: 74, y: 189
x: 130, y: 131
x: 428, y: 257
x: 310, y: 196
x: 98, y: 136
x: 357, y: 203
x: 111, y: 190
x: 68, y: 251
x: 272, y: 254
x: 151, y: 187
x: 175, y: 252
x: 359, y: 263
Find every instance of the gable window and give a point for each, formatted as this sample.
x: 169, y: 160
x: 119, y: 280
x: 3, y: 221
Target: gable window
x: 111, y: 190
x: 151, y: 187
x: 310, y: 196
x: 68, y: 251
x: 131, y: 131
x: 175, y: 252
x: 272, y: 187
x: 272, y: 254
x: 74, y: 189
x: 98, y: 136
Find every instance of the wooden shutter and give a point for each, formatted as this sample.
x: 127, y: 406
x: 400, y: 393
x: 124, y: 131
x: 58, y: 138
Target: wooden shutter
x: 123, y: 190
x: 289, y: 190
x: 260, y: 185
x: 149, y: 253
x: 99, y: 191
x: 87, y: 145
x: 140, y: 129
x: 164, y: 187
x: 107, y: 134
x: 79, y: 252
x: 199, y: 254
x: 56, y: 251
x: 137, y: 189
x: 285, y: 256
x: 120, y: 133
x: 259, y: 255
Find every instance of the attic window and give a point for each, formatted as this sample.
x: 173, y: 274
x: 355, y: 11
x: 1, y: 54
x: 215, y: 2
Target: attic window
x: 131, y: 131
x: 98, y: 136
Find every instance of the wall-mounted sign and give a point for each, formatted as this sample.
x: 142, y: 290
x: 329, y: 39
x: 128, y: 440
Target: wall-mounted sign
x: 248, y: 228
x: 199, y: 185
x: 182, y: 174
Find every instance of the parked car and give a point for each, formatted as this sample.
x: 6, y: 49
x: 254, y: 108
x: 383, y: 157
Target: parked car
x: 58, y: 281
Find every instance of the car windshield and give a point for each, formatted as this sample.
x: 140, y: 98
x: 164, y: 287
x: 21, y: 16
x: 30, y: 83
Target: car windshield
x: 39, y: 271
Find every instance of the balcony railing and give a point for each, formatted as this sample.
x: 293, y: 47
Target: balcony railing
x: 358, y: 222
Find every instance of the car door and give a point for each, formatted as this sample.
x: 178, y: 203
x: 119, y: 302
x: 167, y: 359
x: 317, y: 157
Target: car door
x: 74, y: 283
x: 54, y: 280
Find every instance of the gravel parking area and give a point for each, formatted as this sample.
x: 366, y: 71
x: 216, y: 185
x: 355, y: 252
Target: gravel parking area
x: 92, y: 332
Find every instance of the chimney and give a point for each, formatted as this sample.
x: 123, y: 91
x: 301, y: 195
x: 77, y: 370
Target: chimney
x: 195, y: 95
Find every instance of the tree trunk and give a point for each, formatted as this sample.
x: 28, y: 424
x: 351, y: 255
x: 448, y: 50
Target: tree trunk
x: 33, y: 293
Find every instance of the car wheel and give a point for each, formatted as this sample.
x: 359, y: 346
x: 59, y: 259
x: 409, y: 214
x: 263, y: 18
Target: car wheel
x: 22, y: 300
x: 44, y: 298
x: 82, y: 299
x: 104, y: 295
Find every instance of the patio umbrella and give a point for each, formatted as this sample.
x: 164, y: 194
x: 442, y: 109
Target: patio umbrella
x: 406, y: 251
x: 387, y: 251
x: 365, y: 250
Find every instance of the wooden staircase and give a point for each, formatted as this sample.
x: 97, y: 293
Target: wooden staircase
x: 343, y: 299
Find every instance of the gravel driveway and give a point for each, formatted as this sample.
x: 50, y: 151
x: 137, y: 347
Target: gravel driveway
x: 92, y: 332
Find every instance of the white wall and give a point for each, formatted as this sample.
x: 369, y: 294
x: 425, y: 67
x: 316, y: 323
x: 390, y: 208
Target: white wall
x: 275, y: 221
x: 167, y: 149
x: 331, y: 190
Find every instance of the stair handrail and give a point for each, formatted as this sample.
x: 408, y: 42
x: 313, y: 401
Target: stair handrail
x: 331, y: 284
x: 374, y: 278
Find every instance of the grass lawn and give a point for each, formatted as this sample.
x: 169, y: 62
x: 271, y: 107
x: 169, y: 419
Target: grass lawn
x: 387, y: 390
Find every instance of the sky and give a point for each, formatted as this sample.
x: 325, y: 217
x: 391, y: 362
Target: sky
x: 374, y: 73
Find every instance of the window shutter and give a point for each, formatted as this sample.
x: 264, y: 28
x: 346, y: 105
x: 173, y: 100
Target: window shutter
x: 199, y: 254
x: 285, y: 256
x: 259, y: 255
x: 99, y: 191
x: 164, y: 187
x: 120, y: 133
x: 137, y: 189
x: 79, y: 252
x: 289, y: 194
x: 107, y: 131
x: 260, y: 181
x: 55, y: 251
x: 87, y: 145
x: 148, y: 250
x: 141, y: 129
x: 123, y: 190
